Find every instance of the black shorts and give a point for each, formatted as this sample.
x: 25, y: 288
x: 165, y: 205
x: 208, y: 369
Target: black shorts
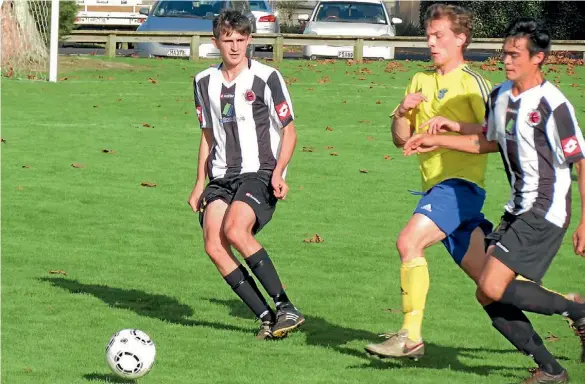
x: 527, y: 243
x: 253, y: 189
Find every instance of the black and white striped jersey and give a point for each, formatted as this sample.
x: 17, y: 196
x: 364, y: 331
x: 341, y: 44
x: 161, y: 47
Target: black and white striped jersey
x: 539, y: 138
x: 247, y: 116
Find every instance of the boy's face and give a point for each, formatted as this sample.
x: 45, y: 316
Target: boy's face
x: 517, y: 60
x: 232, y: 47
x: 443, y: 42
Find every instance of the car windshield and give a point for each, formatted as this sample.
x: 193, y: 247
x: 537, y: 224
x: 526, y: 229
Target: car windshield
x: 197, y: 9
x: 350, y: 12
x: 259, y: 6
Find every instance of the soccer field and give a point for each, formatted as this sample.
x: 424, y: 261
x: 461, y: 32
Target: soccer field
x: 87, y: 250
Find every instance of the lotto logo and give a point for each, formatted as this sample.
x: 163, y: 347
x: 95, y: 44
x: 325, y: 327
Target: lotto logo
x: 570, y: 146
x: 283, y: 111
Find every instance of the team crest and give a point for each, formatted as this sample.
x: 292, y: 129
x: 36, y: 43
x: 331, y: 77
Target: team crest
x: 534, y: 117
x: 442, y: 93
x: 250, y: 96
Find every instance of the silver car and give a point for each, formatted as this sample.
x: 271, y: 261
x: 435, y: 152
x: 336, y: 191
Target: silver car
x: 266, y: 19
x: 349, y: 18
x: 186, y: 16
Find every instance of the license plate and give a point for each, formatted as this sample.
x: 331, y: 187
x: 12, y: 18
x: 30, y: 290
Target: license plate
x: 177, y: 52
x: 345, y: 55
x: 93, y: 20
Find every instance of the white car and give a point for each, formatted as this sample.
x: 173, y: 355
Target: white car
x: 349, y: 18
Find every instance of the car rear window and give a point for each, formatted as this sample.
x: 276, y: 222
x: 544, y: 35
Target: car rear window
x: 259, y: 6
x: 350, y: 12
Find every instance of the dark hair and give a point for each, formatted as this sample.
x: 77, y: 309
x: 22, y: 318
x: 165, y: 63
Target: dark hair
x: 459, y: 17
x: 535, y: 31
x: 230, y: 20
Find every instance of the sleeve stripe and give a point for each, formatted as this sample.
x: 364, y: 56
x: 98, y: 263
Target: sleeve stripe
x: 486, y: 84
x: 482, y: 87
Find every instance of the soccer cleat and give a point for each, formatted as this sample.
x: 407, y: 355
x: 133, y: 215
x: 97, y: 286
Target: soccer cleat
x: 265, y: 332
x: 540, y: 376
x: 288, y: 318
x: 398, y: 345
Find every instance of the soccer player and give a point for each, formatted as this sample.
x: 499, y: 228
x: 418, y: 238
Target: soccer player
x: 248, y: 138
x: 533, y: 126
x: 449, y: 210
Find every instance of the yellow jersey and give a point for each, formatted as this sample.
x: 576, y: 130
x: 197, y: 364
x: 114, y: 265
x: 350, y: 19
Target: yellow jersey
x: 459, y: 95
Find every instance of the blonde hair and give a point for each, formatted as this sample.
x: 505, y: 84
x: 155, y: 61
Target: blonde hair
x: 460, y: 18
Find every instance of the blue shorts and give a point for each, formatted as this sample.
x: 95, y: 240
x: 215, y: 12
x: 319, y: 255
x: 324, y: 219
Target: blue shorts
x: 455, y: 205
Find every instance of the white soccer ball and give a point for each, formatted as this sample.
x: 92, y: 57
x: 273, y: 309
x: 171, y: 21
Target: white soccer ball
x: 130, y: 353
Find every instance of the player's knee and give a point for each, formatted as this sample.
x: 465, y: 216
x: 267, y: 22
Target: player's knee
x: 482, y: 298
x: 235, y: 233
x: 407, y: 247
x: 491, y: 291
x: 213, y: 248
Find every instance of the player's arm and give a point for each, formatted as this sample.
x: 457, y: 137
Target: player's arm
x: 563, y: 130
x: 473, y: 143
x: 281, y: 112
x: 205, y: 145
x: 402, y: 128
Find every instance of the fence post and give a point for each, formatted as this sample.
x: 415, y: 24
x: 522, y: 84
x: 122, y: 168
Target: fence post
x: 111, y: 46
x: 278, y: 49
x: 194, y: 51
x: 358, y: 50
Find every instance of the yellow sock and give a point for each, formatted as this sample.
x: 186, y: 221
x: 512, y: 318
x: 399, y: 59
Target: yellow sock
x: 414, y: 282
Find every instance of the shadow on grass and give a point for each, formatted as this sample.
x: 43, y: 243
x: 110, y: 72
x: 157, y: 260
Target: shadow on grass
x: 320, y: 332
x: 160, y: 307
x: 107, y: 378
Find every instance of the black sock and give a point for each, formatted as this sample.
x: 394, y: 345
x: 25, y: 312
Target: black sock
x: 531, y: 297
x: 517, y: 329
x: 262, y: 267
x: 245, y: 287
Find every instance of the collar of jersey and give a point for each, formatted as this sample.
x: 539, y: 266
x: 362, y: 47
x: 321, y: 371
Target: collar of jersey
x: 220, y: 66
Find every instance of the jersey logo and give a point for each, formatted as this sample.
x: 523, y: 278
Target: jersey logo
x: 250, y: 96
x: 442, y: 93
x: 283, y: 111
x: 199, y: 114
x: 534, y: 117
x: 228, y: 110
x: 570, y: 146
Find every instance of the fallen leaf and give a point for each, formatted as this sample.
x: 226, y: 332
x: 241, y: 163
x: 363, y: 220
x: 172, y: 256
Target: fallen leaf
x: 378, y: 102
x: 26, y: 166
x: 574, y: 85
x: 58, y: 272
x: 2, y: 140
x: 315, y: 239
x: 370, y: 138
x: 552, y: 338
x: 63, y: 78
x: 387, y: 157
x: 108, y: 151
x: 310, y: 89
x: 110, y: 78
x: 146, y: 125
x: 362, y: 78
x: 28, y: 370
x: 31, y: 77
x: 96, y: 106
x: 119, y: 100
x: 363, y: 171
x: 77, y: 165
x: 334, y: 154
x: 329, y: 147
x: 391, y: 310
x: 365, y: 121
x: 19, y: 188
x: 308, y: 149
x: 329, y: 129
x: 153, y: 81
x: 148, y: 184
x: 301, y: 188
x: 325, y: 79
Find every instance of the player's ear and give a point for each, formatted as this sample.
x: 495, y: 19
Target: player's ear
x: 214, y: 41
x: 538, y: 58
x: 461, y: 39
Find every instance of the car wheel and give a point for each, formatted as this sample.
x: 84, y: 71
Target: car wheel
x: 313, y: 57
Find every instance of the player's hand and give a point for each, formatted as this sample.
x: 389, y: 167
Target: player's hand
x: 579, y: 240
x: 279, y: 186
x: 419, y: 143
x: 411, y: 101
x: 196, y: 196
x: 440, y: 124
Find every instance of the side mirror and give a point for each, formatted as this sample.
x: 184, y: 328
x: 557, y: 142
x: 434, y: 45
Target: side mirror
x: 144, y: 11
x: 303, y: 17
x: 396, y: 20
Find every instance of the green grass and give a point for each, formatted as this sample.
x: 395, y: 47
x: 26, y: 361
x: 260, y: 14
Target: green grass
x: 134, y: 256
